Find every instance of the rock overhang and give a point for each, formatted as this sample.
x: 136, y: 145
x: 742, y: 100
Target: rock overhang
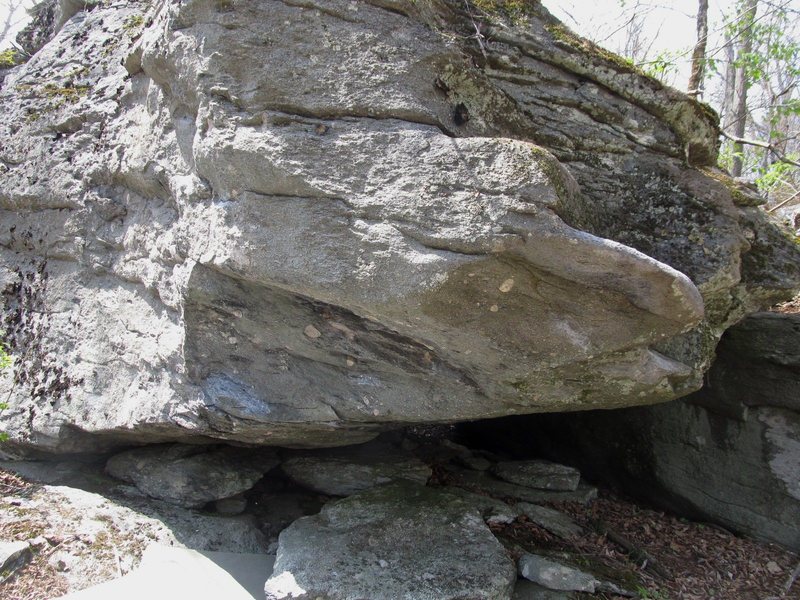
x: 297, y: 243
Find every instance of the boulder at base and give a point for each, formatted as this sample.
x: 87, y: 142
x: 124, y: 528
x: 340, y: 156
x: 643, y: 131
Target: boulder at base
x: 402, y: 540
x: 191, y: 476
x: 345, y: 471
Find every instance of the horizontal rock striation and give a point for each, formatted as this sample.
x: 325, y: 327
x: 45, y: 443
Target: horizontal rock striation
x: 300, y: 223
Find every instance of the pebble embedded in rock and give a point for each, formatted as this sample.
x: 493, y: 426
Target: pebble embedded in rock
x: 312, y: 332
x: 506, y: 286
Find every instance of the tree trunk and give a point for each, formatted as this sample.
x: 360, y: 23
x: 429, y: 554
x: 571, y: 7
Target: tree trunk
x: 729, y: 80
x: 699, y: 54
x: 745, y: 45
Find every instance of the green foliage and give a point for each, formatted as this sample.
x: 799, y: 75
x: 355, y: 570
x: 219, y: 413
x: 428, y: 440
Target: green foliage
x: 9, y: 58
x: 5, y: 357
x: 776, y: 174
x: 664, y: 65
x: 133, y: 24
x: 727, y: 154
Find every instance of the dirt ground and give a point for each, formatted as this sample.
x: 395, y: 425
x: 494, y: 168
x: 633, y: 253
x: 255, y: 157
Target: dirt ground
x: 685, y: 560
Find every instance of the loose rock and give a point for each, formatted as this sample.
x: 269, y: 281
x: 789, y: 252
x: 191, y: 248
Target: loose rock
x: 191, y: 476
x: 486, y: 483
x: 554, y: 575
x: 553, y: 521
x: 342, y: 477
x: 539, y: 474
x: 466, y: 457
x: 527, y: 590
x: 234, y: 505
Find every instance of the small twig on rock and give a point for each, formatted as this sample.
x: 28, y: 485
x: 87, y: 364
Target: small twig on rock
x: 641, y: 556
x: 478, y: 35
x: 784, y: 203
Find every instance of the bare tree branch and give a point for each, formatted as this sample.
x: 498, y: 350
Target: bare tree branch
x: 765, y: 145
x: 784, y: 203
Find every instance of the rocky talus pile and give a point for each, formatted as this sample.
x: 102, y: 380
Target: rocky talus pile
x: 370, y: 521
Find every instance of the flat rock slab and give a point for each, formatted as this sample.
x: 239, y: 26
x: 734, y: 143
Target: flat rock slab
x: 342, y: 476
x: 171, y: 573
x: 554, y: 575
x: 539, y: 474
x: 553, y: 521
x: 399, y: 541
x: 465, y: 456
x: 486, y: 483
x: 191, y: 476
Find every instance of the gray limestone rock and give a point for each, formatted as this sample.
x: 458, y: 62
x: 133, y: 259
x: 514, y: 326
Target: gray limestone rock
x: 485, y: 483
x: 493, y: 511
x: 553, y: 521
x: 402, y: 540
x: 272, y: 223
x: 191, y: 476
x: 235, y: 505
x: 554, y: 575
x: 539, y: 474
x: 344, y: 476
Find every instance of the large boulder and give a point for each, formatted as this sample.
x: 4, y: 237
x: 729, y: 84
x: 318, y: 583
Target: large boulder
x: 401, y: 540
x: 299, y: 224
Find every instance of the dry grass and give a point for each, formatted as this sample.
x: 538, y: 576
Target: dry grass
x: 790, y: 307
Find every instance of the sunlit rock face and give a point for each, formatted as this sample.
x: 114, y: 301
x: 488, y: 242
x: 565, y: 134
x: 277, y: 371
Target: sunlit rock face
x: 302, y: 223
